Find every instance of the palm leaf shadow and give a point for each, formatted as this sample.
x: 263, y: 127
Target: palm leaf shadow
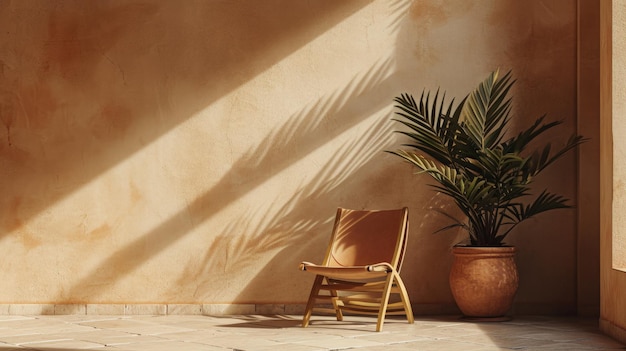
x: 303, y: 133
x: 289, y: 225
x: 399, y: 10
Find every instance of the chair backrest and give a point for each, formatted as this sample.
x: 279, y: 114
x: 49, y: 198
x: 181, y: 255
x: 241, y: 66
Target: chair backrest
x: 364, y: 237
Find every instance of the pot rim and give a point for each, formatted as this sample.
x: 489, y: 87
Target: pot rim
x: 484, y: 250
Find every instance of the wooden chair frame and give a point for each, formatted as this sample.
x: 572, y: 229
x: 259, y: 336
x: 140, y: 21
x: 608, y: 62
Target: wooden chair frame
x: 363, y: 288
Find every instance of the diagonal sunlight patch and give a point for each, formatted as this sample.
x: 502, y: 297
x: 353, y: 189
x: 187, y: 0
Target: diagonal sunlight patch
x: 172, y: 161
x: 289, y: 217
x: 252, y: 163
x: 109, y: 91
x: 201, y: 195
x: 151, y: 156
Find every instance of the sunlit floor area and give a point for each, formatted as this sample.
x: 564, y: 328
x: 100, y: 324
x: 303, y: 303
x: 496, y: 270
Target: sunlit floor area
x: 187, y: 333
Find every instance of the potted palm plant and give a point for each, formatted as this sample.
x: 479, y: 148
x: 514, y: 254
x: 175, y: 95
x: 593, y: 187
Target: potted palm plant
x: 468, y: 150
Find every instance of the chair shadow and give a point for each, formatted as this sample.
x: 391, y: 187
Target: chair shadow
x: 279, y: 321
x: 262, y: 321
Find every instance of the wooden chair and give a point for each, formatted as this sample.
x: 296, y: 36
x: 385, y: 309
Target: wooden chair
x: 361, y: 268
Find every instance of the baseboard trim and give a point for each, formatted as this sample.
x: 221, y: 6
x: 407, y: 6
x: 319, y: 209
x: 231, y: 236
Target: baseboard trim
x: 149, y: 309
x: 235, y: 309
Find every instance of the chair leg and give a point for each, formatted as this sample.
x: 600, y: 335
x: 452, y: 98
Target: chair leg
x: 335, y: 301
x: 315, y: 290
x: 405, y: 299
x: 384, y: 302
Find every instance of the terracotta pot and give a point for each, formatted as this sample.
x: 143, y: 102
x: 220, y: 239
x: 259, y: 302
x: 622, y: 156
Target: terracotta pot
x: 484, y: 280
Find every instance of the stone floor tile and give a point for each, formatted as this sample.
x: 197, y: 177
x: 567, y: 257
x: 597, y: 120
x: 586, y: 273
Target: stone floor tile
x: 27, y: 323
x: 447, y: 331
x: 9, y: 332
x: 61, y: 328
x: 7, y: 347
x: 112, y: 337
x: 268, y: 322
x: 566, y: 336
x: 80, y: 318
x: 199, y: 336
x: 154, y: 329
x: 192, y: 323
x: 30, y: 338
x: 510, y: 341
x: 8, y: 318
x: 563, y: 346
x: 165, y: 346
x: 339, y: 343
x: 308, y: 337
x: 292, y: 347
x: 349, y: 327
x: 117, y: 323
x: 53, y: 329
x: 239, y: 342
x: 391, y: 338
x: 600, y: 341
x: 62, y: 345
x: 277, y: 332
x: 505, y: 329
x: 440, y: 345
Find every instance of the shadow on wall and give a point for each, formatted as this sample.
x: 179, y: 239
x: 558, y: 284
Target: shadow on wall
x: 84, y: 86
x: 353, y: 177
x: 348, y: 178
x: 294, y: 232
x: 128, y: 74
x: 358, y: 177
x: 231, y: 251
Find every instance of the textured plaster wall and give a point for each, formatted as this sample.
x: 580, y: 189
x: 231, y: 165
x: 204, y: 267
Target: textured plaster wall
x: 613, y: 234
x: 619, y: 128
x: 158, y: 151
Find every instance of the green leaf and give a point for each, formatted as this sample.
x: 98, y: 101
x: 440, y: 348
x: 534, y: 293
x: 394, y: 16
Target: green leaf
x: 466, y: 150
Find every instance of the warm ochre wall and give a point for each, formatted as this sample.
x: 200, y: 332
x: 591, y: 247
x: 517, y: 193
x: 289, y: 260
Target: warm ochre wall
x: 167, y: 152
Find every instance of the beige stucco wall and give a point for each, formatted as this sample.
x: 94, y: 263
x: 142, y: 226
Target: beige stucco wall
x: 618, y: 103
x: 158, y: 152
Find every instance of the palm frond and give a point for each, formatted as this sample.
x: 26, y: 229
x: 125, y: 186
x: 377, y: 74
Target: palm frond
x: 463, y: 148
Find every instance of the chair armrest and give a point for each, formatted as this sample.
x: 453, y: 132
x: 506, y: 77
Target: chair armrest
x: 304, y: 264
x: 380, y: 267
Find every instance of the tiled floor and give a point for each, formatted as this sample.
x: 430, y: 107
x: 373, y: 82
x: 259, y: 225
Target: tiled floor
x: 187, y: 333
